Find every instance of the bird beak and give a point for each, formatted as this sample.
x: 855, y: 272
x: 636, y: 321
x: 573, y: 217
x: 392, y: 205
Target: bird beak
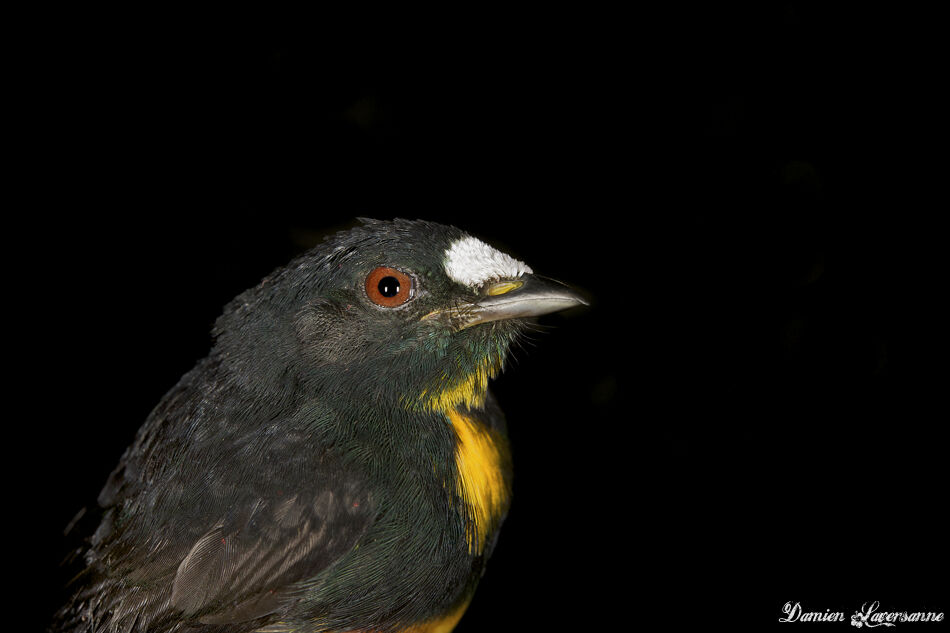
x: 527, y: 296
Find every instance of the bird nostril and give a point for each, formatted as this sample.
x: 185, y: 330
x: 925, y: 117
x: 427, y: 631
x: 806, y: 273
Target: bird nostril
x: 502, y: 287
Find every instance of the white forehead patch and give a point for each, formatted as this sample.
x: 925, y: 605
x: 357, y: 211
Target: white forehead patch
x: 472, y: 262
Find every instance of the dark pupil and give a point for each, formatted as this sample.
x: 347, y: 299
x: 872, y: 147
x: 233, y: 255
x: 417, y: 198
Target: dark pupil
x: 389, y: 286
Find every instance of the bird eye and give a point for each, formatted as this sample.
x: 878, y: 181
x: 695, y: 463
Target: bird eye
x: 388, y: 287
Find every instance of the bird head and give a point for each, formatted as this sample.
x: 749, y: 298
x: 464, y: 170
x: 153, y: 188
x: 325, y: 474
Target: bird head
x: 408, y: 313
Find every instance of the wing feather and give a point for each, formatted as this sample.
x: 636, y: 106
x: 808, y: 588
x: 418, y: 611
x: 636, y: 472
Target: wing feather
x: 221, y: 532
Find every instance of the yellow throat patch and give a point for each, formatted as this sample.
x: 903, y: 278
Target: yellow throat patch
x: 469, y: 392
x: 480, y: 454
x: 479, y: 458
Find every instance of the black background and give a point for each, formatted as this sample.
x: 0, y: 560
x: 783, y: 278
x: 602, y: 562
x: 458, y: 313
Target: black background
x: 743, y: 417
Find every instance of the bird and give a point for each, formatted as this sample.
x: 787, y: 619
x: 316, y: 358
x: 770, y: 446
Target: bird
x: 336, y: 462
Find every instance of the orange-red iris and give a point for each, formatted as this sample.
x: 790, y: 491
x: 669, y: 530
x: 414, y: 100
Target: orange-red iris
x: 388, y: 287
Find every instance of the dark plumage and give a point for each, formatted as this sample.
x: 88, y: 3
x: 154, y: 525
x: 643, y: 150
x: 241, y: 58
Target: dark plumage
x: 335, y: 463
